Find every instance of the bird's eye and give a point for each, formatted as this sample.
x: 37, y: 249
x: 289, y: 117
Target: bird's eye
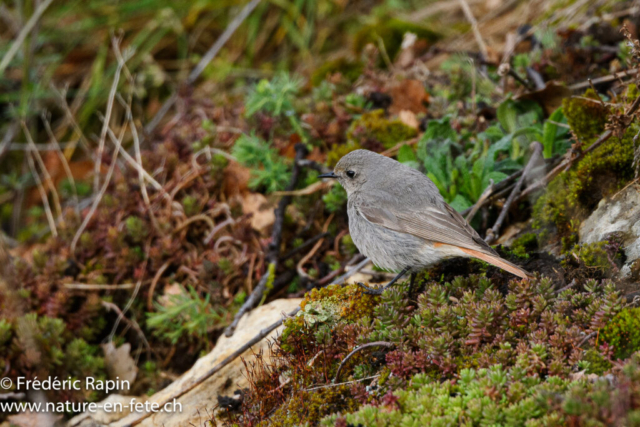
x: 351, y: 174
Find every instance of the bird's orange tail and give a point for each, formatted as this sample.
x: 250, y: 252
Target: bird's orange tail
x: 498, y: 262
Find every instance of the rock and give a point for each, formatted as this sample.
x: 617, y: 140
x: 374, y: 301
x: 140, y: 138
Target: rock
x: 618, y: 216
x: 108, y: 412
x: 197, y: 404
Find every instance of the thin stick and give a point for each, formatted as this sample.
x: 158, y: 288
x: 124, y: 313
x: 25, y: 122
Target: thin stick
x: 98, y: 198
x: 96, y: 287
x: 136, y: 166
x: 68, y: 151
x: 358, y: 349
x: 143, y: 270
x: 65, y: 164
x: 493, y: 233
x: 107, y: 117
x: 143, y: 186
x: 15, y: 46
x: 45, y: 172
x: 474, y: 26
x: 274, y: 247
x: 393, y: 150
x: 199, y: 217
x: 5, y: 145
x: 344, y: 383
x: 43, y: 195
x: 206, y: 59
x: 132, y: 323
x: 309, y: 242
x: 477, y: 205
x: 154, y: 283
x: 313, y: 250
x: 604, y: 79
x: 340, y: 280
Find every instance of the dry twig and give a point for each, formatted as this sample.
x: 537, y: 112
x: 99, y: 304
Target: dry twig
x: 358, y: 349
x: 492, y: 233
x: 24, y: 32
x: 105, y: 185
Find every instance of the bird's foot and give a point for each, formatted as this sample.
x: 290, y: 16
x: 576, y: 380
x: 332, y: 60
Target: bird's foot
x: 370, y: 291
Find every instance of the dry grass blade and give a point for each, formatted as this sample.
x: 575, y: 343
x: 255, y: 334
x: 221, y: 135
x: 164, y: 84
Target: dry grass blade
x: 53, y: 142
x: 107, y: 117
x: 493, y: 232
x: 43, y: 195
x: 47, y: 177
x: 31, y: 23
x: 206, y: 59
x: 98, y: 197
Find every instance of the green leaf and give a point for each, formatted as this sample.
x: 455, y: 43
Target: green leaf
x: 550, y: 132
x: 507, y: 115
x: 406, y: 154
x: 460, y: 203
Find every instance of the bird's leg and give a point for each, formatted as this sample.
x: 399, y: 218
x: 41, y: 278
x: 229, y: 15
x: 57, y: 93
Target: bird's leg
x: 378, y: 291
x: 411, y: 283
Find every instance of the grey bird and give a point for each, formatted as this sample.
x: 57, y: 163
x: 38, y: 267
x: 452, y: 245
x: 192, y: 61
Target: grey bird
x: 399, y: 220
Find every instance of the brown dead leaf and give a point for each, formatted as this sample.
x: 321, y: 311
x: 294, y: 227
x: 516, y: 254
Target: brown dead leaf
x: 119, y: 363
x: 409, y: 118
x: 408, y: 95
x: 236, y: 179
x: 261, y: 210
x: 550, y: 98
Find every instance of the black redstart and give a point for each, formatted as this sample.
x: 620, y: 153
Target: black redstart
x: 399, y: 220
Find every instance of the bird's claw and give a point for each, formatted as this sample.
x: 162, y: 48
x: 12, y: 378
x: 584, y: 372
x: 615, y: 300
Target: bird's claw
x: 370, y: 291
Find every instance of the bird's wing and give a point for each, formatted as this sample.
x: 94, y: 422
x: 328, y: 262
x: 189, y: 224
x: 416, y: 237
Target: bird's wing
x: 436, y: 223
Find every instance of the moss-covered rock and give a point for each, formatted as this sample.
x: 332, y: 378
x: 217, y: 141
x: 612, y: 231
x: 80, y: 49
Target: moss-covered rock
x: 374, y: 128
x: 572, y: 195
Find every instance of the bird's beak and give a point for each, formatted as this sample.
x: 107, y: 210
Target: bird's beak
x: 328, y: 175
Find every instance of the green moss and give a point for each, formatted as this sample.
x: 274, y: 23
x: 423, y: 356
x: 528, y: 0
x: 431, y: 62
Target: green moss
x: 374, y: 127
x: 326, y: 306
x: 340, y: 150
x: 190, y: 205
x: 593, y: 255
x: 586, y: 118
x: 136, y: 228
x: 524, y: 244
x: 347, y: 303
x: 572, y: 195
x: 597, y: 363
x: 623, y: 332
x: 307, y: 408
x: 391, y: 32
x: 348, y: 68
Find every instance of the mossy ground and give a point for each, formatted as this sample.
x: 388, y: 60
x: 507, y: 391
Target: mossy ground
x: 463, y: 351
